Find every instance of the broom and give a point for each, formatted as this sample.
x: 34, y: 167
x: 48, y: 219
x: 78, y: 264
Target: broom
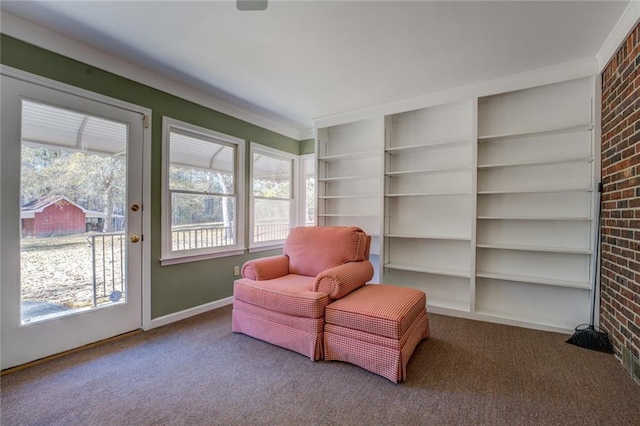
x: 589, y: 336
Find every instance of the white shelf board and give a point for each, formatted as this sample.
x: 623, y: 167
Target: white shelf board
x: 446, y: 304
x: 520, y: 321
x: 427, y: 171
x: 435, y: 271
x: 346, y: 215
x: 576, y: 218
x: 343, y: 178
x: 350, y: 155
x: 547, y: 249
x: 535, y: 191
x: 559, y: 130
x: 534, y: 280
x: 537, y: 163
x: 336, y: 197
x: 434, y: 146
x: 428, y: 194
x: 429, y: 237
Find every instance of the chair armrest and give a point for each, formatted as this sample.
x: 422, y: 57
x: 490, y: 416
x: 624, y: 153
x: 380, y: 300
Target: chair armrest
x: 341, y: 280
x: 266, y: 268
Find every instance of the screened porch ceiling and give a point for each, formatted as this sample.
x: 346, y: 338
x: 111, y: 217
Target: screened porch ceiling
x: 72, y: 131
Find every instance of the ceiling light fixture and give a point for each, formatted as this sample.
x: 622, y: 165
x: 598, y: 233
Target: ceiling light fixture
x: 251, y: 4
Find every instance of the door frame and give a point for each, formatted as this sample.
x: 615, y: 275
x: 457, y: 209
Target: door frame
x: 146, y: 167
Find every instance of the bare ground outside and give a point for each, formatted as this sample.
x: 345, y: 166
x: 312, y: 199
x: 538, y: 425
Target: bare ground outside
x: 60, y: 269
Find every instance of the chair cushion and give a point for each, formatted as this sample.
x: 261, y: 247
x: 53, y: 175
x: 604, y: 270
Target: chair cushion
x: 291, y: 294
x: 314, y: 249
x: 385, y: 310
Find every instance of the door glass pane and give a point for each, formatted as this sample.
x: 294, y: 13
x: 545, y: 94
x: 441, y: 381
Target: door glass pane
x: 73, y: 210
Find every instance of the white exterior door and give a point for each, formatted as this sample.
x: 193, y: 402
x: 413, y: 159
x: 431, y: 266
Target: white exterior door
x: 71, y: 220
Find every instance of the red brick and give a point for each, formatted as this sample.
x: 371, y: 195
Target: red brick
x: 620, y: 170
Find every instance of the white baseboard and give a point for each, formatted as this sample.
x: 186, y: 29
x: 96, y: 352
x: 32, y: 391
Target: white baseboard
x: 187, y: 313
x: 497, y: 320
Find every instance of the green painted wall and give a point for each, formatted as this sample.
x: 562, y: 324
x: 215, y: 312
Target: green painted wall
x: 176, y: 287
x: 307, y: 146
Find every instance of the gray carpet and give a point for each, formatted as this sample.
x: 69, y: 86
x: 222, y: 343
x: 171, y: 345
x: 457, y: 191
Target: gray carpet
x: 198, y: 372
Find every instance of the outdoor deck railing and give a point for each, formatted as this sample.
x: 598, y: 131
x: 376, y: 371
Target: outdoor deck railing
x: 108, y: 267
x: 188, y: 238
x: 108, y: 253
x: 271, y: 232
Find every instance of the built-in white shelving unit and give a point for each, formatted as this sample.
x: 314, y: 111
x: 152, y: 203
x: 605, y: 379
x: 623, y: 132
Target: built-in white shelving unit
x: 536, y: 182
x: 486, y: 204
x: 350, y: 179
x: 429, y: 209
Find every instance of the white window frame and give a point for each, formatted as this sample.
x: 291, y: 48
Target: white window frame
x: 170, y: 257
x: 302, y: 190
x: 293, y: 206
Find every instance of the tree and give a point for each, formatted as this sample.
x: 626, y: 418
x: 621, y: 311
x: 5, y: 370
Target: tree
x: 94, y: 182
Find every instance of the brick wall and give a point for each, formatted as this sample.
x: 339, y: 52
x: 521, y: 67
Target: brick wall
x: 620, y: 275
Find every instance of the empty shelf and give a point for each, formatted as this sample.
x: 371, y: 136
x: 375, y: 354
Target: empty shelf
x: 537, y: 163
x: 535, y: 280
x: 567, y: 129
x: 548, y: 249
x: 429, y: 237
x: 416, y: 148
x: 429, y: 270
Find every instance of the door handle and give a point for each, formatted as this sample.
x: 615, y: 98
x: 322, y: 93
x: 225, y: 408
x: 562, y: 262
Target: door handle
x: 134, y: 238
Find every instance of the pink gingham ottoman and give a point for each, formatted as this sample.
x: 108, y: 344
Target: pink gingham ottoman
x: 376, y: 327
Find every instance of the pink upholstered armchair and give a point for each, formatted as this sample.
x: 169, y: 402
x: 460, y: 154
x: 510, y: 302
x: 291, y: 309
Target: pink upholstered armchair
x: 282, y: 299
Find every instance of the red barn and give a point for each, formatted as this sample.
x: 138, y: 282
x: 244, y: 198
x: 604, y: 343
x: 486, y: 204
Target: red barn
x: 53, y: 215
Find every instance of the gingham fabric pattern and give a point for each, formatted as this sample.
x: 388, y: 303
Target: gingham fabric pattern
x: 278, y: 334
x: 368, y: 245
x: 266, y: 268
x: 313, y: 249
x: 290, y: 295
x: 385, y: 310
x: 427, y: 330
x: 374, y: 338
x: 308, y: 325
x: 341, y: 280
x: 378, y: 357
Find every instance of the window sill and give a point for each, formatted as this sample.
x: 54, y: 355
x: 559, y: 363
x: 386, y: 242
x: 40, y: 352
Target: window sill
x: 266, y: 248
x: 197, y: 257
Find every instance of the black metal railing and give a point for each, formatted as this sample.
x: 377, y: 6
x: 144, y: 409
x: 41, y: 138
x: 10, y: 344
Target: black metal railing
x: 108, y: 267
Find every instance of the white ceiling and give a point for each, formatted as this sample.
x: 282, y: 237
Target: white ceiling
x: 302, y: 60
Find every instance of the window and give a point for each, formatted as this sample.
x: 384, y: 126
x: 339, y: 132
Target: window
x: 272, y: 201
x: 307, y: 191
x: 202, y: 193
